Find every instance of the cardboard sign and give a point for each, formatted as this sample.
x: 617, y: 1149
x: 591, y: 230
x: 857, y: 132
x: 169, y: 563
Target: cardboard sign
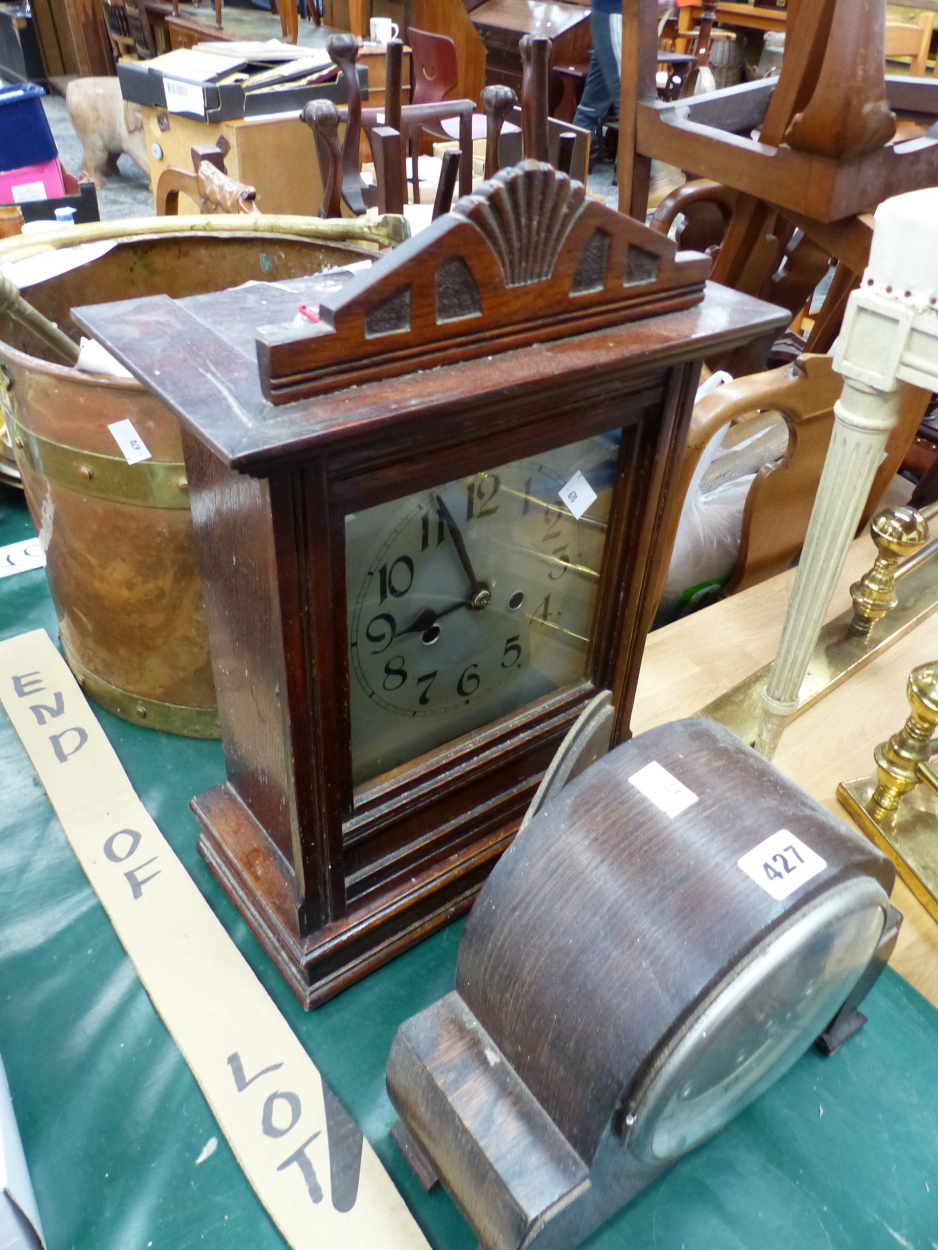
x: 318, y: 1178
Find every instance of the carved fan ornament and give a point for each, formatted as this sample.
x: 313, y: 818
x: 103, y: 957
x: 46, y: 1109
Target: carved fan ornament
x: 525, y: 259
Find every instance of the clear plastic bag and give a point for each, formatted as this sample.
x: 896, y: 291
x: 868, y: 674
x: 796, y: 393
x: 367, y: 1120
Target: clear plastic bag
x: 706, y: 545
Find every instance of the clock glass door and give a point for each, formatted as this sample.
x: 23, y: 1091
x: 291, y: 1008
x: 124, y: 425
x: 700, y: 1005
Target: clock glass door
x: 473, y: 598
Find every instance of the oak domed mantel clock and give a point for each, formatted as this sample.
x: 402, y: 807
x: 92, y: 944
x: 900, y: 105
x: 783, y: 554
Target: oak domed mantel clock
x: 429, y: 528
x: 663, y: 940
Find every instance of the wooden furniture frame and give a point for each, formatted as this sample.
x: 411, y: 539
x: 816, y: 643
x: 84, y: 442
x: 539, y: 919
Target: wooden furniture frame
x: 797, y: 170
x: 129, y: 29
x: 274, y: 154
x: 405, y: 121
x: 750, y: 16
x: 443, y: 17
x: 208, y: 185
x: 911, y: 40
x: 73, y: 37
x: 336, y: 881
x: 502, y: 23
x: 691, y: 50
x: 118, y: 30
x: 778, y: 506
x: 449, y: 17
x: 827, y: 151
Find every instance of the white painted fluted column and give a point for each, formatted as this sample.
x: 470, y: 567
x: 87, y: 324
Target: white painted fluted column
x: 863, y: 421
x: 889, y: 339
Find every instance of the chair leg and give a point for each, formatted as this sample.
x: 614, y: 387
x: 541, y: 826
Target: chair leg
x: 828, y: 321
x: 415, y: 165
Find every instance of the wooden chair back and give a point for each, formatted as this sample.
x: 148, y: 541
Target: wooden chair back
x: 435, y: 71
x: 322, y: 117
x: 778, y: 506
x: 129, y: 29
x: 139, y: 26
x: 118, y: 31
x: 913, y: 40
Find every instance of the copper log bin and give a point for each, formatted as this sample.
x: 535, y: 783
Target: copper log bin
x: 119, y: 547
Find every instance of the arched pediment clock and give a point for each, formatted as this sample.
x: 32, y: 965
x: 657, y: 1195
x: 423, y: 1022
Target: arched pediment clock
x: 429, y: 529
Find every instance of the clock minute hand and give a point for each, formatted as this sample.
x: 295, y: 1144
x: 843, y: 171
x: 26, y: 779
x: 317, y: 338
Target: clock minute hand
x: 479, y: 594
x: 428, y: 617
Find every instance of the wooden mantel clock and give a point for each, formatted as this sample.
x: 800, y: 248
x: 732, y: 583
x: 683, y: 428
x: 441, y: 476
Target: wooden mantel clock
x: 429, y: 530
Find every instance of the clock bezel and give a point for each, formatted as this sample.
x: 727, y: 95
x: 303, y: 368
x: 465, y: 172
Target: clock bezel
x: 375, y: 841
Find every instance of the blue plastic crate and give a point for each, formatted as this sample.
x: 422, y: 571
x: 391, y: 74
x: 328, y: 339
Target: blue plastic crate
x: 25, y: 137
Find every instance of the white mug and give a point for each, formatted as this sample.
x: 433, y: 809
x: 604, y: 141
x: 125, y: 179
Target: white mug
x: 383, y: 29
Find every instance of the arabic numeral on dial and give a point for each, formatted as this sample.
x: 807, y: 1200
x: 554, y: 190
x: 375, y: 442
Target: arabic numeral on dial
x: 479, y: 494
x: 426, y: 679
x: 551, y: 517
x: 542, y: 611
x: 381, y: 629
x: 512, y: 652
x: 560, y: 554
x: 425, y: 530
x: 469, y: 682
x: 396, y: 674
x: 396, y: 580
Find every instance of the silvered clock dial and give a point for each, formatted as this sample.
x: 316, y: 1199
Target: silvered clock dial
x: 471, y: 599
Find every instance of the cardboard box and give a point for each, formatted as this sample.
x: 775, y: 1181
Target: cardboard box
x: 277, y: 155
x: 143, y: 84
x: 32, y: 182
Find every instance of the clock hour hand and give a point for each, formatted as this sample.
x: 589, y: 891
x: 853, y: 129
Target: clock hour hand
x: 479, y: 594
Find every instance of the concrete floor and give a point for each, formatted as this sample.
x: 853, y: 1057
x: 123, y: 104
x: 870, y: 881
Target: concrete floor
x: 125, y: 196
x: 602, y: 182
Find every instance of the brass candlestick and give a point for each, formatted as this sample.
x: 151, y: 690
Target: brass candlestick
x: 898, y: 760
x: 897, y: 533
x: 896, y: 808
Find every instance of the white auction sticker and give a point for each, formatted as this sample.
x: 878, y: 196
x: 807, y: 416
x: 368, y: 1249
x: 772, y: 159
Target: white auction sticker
x: 577, y: 494
x: 781, y: 864
x: 183, y: 97
x: 665, y: 791
x: 29, y: 192
x: 19, y: 557
x: 129, y: 441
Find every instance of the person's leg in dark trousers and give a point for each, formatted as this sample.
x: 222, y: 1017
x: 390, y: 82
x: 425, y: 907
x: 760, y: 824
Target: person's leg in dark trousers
x: 601, y: 89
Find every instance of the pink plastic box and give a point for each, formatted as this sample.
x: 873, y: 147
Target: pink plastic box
x: 32, y: 182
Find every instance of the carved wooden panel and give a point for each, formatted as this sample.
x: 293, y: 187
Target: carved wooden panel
x: 461, y: 288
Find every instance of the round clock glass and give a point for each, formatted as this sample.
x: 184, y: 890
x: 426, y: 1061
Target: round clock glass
x: 473, y: 598
x: 758, y: 1024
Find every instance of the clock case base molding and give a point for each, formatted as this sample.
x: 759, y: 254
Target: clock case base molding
x: 325, y: 962
x: 335, y: 878
x: 386, y: 921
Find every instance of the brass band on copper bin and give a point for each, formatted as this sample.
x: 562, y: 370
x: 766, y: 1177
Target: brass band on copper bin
x: 149, y: 484
x: 174, y: 718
